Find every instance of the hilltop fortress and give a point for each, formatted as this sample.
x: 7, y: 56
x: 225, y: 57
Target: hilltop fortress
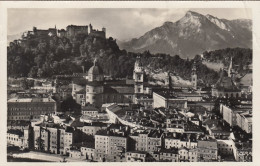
x: 70, y: 32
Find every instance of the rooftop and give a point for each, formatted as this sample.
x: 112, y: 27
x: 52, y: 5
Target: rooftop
x: 155, y: 133
x: 243, y: 146
x: 96, y: 124
x: 89, y: 108
x: 109, y: 133
x: 29, y: 100
x: 172, y: 150
x: 208, y: 144
x: 16, y: 132
x: 137, y: 151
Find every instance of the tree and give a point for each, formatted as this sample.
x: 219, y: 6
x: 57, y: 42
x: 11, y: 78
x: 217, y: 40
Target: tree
x: 39, y: 59
x: 33, y: 72
x: 24, y: 84
x: 70, y: 105
x: 39, y: 73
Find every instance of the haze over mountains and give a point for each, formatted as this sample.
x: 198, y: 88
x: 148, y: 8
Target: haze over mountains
x: 193, y: 34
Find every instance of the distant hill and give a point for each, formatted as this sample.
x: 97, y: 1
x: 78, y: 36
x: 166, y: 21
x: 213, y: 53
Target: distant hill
x: 193, y: 34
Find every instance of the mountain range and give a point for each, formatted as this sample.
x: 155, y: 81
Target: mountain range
x: 193, y: 34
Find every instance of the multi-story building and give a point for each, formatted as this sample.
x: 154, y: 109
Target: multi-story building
x: 89, y: 110
x: 177, y: 140
x: 19, y: 138
x: 93, y: 128
x: 225, y: 146
x: 168, y: 99
x: 148, y: 141
x: 138, y: 156
x: 216, y: 128
x: 183, y: 154
x: 175, y: 125
x: 44, y: 140
x: 29, y: 108
x: 193, y: 155
x: 67, y: 138
x: 88, y: 151
x: 237, y: 116
x: 207, y: 150
x: 168, y: 155
x: 244, y: 121
x: 243, y: 151
x: 110, y: 146
x: 50, y: 137
x: 54, y: 140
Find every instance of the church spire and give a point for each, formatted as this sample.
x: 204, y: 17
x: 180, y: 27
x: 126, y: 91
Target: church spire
x: 95, y: 61
x: 230, y: 68
x: 194, y: 76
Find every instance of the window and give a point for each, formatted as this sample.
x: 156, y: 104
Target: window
x: 138, y: 77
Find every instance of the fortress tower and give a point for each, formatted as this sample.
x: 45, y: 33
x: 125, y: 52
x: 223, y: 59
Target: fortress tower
x: 138, y: 76
x: 90, y: 28
x: 104, y: 30
x: 194, y: 76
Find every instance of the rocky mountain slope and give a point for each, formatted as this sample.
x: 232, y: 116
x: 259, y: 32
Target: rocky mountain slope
x: 193, y: 34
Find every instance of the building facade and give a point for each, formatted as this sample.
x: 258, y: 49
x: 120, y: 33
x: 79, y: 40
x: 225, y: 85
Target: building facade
x: 29, y: 108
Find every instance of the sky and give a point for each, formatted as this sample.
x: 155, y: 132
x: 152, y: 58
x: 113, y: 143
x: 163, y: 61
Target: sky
x: 121, y: 24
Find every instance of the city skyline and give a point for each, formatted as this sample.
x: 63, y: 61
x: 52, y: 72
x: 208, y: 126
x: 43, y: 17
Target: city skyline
x: 138, y: 22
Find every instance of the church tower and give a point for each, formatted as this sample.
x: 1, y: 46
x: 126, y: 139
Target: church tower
x: 230, y: 69
x: 194, y: 76
x: 168, y: 81
x: 139, y: 76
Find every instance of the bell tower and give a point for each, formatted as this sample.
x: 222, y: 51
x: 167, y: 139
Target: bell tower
x: 231, y: 72
x: 194, y: 76
x: 168, y: 81
x: 139, y: 76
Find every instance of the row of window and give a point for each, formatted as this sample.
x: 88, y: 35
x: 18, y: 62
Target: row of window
x: 31, y: 108
x: 13, y: 139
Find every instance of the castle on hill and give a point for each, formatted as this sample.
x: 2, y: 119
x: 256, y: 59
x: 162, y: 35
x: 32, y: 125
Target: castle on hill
x: 70, y: 32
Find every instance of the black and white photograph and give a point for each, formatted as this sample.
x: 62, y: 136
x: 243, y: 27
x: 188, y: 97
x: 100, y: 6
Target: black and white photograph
x: 129, y: 85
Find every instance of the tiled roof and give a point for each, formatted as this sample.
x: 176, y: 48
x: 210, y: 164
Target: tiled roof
x: 16, y: 132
